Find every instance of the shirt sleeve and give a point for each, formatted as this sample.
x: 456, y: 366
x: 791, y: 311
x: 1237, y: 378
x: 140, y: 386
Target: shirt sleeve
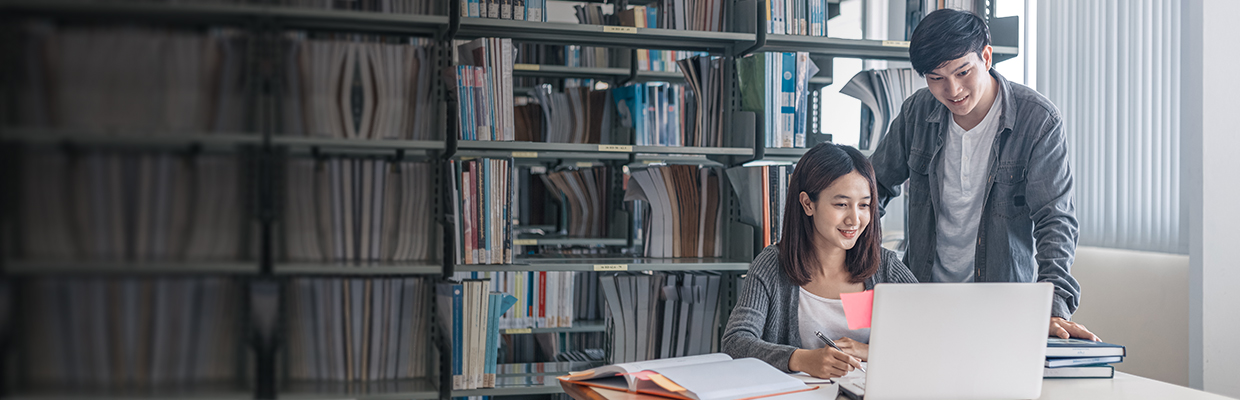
x: 890, y: 160
x: 743, y: 335
x: 1055, y: 227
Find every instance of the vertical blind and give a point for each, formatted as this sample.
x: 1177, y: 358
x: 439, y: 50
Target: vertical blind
x: 1113, y: 69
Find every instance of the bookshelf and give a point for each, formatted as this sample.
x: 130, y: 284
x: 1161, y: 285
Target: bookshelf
x: 270, y: 147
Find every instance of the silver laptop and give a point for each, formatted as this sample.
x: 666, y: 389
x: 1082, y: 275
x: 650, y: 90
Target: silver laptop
x: 955, y: 341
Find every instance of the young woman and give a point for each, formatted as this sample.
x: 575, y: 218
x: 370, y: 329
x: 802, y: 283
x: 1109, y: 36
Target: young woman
x: 830, y: 245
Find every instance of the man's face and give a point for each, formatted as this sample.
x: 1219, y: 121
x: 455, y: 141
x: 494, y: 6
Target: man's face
x: 962, y: 83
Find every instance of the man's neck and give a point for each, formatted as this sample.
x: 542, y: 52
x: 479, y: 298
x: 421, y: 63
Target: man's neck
x: 976, y: 116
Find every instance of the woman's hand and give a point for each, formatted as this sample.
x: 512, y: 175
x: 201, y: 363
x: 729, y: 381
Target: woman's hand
x: 823, y: 363
x: 854, y: 348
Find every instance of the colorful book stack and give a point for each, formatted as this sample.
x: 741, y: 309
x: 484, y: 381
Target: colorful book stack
x: 469, y: 318
x: 542, y: 299
x: 483, y: 82
x: 775, y: 86
x: 1078, y: 358
x: 482, y: 200
x: 520, y: 10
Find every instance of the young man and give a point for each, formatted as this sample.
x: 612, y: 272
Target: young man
x: 987, y: 169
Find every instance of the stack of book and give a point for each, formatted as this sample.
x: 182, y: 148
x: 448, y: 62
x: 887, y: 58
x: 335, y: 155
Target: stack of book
x: 358, y: 88
x: 574, y: 115
x: 103, y: 206
x: 357, y: 329
x: 357, y: 210
x: 882, y: 92
x: 482, y: 201
x: 585, y: 193
x: 763, y: 194
x: 483, y: 83
x: 543, y: 299
x: 131, y: 80
x: 131, y: 332
x: 775, y: 86
x: 520, y: 10
x: 1078, y: 358
x: 662, y: 315
x: 685, y: 215
x: 469, y: 319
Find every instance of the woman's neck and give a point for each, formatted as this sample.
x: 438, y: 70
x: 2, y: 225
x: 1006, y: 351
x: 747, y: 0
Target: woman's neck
x: 831, y: 262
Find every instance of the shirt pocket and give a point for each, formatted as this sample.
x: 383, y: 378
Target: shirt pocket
x: 1008, y: 193
x: 919, y: 178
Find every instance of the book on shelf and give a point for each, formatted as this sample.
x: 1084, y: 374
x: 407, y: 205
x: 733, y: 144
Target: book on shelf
x: 775, y: 86
x: 1056, y: 347
x: 577, y: 114
x: 482, y: 196
x: 585, y: 193
x: 466, y: 314
x: 763, y: 195
x: 521, y: 10
x: 357, y: 210
x: 100, y: 206
x: 482, y: 80
x: 794, y: 17
x: 366, y: 88
x: 357, y: 329
x: 702, y: 377
x: 543, y: 299
x: 139, y: 81
x: 882, y: 92
x: 661, y: 315
x: 1096, y: 371
x: 684, y: 215
x: 130, y: 332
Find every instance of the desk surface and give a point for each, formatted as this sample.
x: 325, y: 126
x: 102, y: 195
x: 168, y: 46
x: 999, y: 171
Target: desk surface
x: 1123, y: 386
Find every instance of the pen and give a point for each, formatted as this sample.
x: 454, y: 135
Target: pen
x: 832, y: 344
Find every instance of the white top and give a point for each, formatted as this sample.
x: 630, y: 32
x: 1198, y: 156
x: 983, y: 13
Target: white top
x: 824, y: 315
x: 964, y: 170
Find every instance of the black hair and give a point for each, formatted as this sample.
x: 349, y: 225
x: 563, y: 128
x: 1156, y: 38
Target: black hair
x: 821, y: 166
x: 946, y: 35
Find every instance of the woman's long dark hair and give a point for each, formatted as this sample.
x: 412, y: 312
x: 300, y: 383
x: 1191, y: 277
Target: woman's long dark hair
x: 819, y: 168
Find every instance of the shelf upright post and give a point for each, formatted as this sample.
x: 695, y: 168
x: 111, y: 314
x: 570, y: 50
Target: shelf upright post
x: 265, y: 290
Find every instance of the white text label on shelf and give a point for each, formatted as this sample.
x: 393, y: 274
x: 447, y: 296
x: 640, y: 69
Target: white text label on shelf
x: 525, y: 154
x: 615, y: 147
x: 611, y: 267
x: 619, y: 29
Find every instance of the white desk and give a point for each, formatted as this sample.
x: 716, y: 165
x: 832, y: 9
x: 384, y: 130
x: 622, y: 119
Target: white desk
x: 1123, y: 386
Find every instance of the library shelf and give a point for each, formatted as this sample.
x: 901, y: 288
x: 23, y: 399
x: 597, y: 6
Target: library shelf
x: 610, y: 264
x: 856, y: 48
x: 386, y: 268
x: 602, y: 35
x: 550, y: 240
x: 417, y: 389
x: 528, y: 379
x: 124, y: 268
x: 155, y: 139
x: 578, y: 327
x: 560, y: 71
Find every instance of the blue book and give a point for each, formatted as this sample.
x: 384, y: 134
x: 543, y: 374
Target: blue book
x: 1081, y: 361
x: 451, y: 301
x: 787, y: 99
x: 1056, y: 348
x: 499, y: 304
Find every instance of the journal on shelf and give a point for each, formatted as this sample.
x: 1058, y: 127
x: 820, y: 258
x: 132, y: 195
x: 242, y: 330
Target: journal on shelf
x: 702, y: 377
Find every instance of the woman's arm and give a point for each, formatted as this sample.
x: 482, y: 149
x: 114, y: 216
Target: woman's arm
x: 743, y: 335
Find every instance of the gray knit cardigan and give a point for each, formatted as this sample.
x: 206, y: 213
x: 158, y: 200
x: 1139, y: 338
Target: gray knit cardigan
x: 764, y: 323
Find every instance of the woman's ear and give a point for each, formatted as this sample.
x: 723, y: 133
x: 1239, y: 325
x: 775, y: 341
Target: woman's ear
x: 806, y: 204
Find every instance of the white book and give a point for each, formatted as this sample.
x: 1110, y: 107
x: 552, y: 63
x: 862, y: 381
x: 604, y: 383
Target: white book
x: 702, y: 377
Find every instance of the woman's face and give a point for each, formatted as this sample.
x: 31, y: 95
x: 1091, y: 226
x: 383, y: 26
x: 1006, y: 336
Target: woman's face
x: 841, y: 213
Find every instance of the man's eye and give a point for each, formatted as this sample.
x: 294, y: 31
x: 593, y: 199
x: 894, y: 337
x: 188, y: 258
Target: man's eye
x: 963, y: 73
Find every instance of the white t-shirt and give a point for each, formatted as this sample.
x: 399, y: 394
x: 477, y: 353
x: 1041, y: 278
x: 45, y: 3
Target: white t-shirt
x: 964, y: 168
x: 824, y: 315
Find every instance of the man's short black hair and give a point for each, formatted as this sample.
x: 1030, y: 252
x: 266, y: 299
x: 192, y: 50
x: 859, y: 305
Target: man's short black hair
x: 946, y: 35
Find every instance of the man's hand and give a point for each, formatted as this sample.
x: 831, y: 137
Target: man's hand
x: 1063, y: 329
x: 854, y: 348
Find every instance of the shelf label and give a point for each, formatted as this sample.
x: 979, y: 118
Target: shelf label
x: 584, y: 164
x: 895, y: 43
x: 615, y: 147
x: 619, y: 29
x: 611, y: 267
x: 526, y: 67
x: 518, y: 331
x: 525, y: 154
x: 525, y: 242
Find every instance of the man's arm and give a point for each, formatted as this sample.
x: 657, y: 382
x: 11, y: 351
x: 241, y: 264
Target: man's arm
x: 890, y: 160
x: 1055, y: 229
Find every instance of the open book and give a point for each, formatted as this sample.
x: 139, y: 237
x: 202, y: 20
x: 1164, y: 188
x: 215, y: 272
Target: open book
x: 705, y: 377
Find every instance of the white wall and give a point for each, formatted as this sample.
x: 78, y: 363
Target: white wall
x: 1140, y: 300
x: 1210, y: 146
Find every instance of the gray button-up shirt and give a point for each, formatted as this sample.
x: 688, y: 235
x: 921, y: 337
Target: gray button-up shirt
x: 1027, y: 201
